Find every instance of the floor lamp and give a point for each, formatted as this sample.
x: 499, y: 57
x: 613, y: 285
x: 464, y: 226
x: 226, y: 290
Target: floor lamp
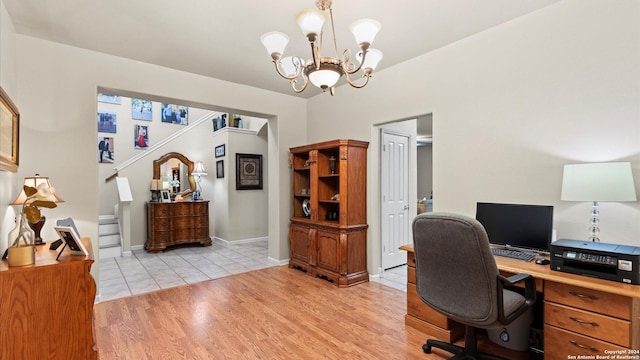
x: 598, y: 182
x: 35, y: 181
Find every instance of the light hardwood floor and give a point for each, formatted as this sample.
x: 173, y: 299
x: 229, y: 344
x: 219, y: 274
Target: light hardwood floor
x: 274, y: 313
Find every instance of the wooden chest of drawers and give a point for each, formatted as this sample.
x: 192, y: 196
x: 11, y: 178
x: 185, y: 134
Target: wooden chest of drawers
x: 177, y: 223
x: 587, y: 322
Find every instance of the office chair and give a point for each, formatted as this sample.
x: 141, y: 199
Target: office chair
x: 457, y: 276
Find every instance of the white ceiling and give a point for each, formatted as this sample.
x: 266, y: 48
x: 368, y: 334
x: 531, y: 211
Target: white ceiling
x: 221, y: 39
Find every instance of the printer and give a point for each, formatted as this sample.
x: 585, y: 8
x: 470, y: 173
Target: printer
x: 599, y: 260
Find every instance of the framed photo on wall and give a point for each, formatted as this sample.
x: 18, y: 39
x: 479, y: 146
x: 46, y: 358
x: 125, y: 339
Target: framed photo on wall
x: 248, y: 172
x: 220, y: 169
x: 9, y: 133
x: 141, y: 109
x: 220, y: 150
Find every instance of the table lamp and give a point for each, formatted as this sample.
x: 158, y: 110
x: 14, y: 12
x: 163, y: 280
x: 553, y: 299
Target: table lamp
x: 598, y: 182
x: 35, y: 181
x: 199, y: 171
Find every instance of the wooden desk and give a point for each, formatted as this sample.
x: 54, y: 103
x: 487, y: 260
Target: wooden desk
x: 46, y: 309
x: 582, y: 315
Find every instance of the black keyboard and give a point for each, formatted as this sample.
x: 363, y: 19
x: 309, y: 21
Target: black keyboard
x: 513, y: 254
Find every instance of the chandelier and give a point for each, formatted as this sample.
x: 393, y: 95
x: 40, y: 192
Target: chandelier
x: 324, y: 72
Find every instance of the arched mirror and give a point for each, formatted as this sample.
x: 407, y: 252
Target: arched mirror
x: 175, y: 169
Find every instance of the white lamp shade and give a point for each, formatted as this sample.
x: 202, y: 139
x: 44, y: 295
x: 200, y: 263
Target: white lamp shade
x: 290, y: 65
x: 371, y: 60
x: 275, y: 42
x: 198, y: 169
x: 365, y: 30
x: 611, y: 181
x: 310, y: 22
x: 324, y: 78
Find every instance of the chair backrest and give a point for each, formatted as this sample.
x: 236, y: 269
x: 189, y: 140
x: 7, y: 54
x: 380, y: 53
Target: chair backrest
x: 456, y: 273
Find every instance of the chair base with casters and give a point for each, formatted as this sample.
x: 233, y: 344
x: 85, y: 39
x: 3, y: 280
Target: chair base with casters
x: 469, y: 351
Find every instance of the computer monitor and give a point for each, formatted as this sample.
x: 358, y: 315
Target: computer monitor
x: 524, y: 227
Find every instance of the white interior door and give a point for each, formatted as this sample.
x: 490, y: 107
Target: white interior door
x: 394, y: 180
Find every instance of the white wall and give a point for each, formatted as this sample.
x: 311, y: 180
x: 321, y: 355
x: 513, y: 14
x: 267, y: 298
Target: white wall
x: 9, y: 181
x: 57, y: 97
x: 510, y: 106
x: 239, y: 215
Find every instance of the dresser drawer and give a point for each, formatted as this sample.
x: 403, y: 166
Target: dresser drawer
x: 559, y: 344
x: 592, y: 300
x: 587, y: 323
x: 411, y: 275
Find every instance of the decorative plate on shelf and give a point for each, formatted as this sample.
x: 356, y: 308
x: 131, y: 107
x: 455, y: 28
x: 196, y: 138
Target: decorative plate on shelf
x: 306, y: 207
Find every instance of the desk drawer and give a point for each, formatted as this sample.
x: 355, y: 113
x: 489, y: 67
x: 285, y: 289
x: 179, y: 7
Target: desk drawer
x: 559, y: 344
x: 592, y: 300
x: 417, y: 308
x: 587, y: 323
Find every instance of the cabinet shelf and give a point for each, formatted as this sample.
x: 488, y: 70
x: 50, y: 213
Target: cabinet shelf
x: 332, y: 242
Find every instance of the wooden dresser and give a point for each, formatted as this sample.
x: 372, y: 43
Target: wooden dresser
x: 46, y: 309
x: 177, y: 223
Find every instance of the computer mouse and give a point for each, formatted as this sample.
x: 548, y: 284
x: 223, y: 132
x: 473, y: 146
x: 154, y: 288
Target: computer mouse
x: 543, y: 261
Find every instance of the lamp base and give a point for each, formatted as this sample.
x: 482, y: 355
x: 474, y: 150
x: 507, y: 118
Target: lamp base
x: 36, y: 227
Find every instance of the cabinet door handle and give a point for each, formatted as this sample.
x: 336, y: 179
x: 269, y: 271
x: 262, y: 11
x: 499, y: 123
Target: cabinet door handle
x: 592, y: 323
x: 583, y: 296
x: 573, y: 342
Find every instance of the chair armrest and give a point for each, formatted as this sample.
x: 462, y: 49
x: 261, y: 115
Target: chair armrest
x: 529, y: 295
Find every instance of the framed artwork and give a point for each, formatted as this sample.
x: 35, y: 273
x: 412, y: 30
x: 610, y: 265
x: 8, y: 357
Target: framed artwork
x: 105, y: 150
x: 141, y: 110
x: 174, y: 114
x: 165, y: 195
x: 220, y: 150
x: 141, y: 136
x: 9, y: 133
x: 248, y: 172
x: 107, y: 121
x: 109, y: 99
x: 220, y: 169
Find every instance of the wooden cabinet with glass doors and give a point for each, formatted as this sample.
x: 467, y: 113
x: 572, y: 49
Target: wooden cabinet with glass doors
x: 328, y: 231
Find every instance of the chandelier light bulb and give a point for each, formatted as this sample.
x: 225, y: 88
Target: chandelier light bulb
x: 275, y: 42
x: 365, y: 31
x: 371, y: 60
x: 290, y: 65
x: 324, y: 78
x: 310, y: 22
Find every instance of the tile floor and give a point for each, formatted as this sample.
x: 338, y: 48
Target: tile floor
x: 144, y: 272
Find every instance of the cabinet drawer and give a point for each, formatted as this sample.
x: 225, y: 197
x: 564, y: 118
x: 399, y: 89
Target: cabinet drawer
x: 417, y: 308
x: 411, y: 259
x: 559, y: 344
x: 587, y: 323
x: 411, y: 275
x: 592, y: 300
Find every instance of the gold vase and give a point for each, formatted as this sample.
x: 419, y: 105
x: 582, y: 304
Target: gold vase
x: 22, y: 250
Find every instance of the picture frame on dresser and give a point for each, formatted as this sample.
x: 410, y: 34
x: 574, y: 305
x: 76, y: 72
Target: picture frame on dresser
x: 9, y: 133
x: 165, y: 195
x: 71, y: 239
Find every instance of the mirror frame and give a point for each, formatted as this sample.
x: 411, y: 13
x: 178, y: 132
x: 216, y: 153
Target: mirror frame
x: 190, y: 166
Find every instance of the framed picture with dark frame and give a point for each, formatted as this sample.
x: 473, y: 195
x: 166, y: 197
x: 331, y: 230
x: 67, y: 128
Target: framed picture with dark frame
x: 219, y: 150
x: 248, y: 172
x: 9, y: 133
x: 220, y: 169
